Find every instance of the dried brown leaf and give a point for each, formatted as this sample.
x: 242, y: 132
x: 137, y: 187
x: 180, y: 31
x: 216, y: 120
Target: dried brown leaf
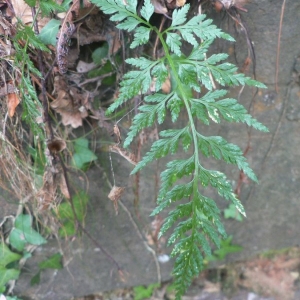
x: 63, y: 187
x: 12, y: 102
x: 126, y: 154
x: 117, y: 133
x: 70, y: 103
x: 115, y: 195
x: 23, y: 12
x: 73, y: 119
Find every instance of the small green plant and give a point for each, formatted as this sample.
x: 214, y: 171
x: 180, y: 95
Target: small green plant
x: 226, y: 247
x: 197, y: 219
x: 233, y: 213
x: 144, y: 292
x: 82, y: 156
x: 65, y: 214
x: 21, y: 235
x: 53, y: 262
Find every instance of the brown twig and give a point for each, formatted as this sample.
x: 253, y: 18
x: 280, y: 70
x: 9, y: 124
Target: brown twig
x: 278, y: 46
x: 139, y: 234
x: 157, y: 38
x: 78, y: 223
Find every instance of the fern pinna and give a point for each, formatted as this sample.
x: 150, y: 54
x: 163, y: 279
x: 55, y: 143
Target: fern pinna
x: 197, y: 221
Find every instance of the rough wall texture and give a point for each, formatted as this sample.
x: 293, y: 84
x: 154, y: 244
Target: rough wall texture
x: 272, y: 206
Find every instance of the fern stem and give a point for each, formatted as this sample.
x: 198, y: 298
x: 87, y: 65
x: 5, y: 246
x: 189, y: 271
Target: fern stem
x: 196, y: 150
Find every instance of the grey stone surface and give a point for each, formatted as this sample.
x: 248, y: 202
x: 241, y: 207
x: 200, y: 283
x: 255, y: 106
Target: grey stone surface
x: 272, y: 207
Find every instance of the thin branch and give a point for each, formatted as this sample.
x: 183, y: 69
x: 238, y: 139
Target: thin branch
x: 78, y: 223
x: 139, y: 234
x: 278, y: 46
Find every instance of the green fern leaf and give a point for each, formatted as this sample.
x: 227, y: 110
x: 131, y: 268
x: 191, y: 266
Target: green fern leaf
x: 141, y: 36
x: 197, y: 222
x: 174, y: 42
x: 160, y: 73
x: 129, y: 24
x: 179, y: 15
x: 147, y: 10
x: 47, y: 7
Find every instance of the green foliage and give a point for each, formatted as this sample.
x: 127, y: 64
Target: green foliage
x: 83, y: 155
x: 225, y: 248
x: 49, y: 32
x: 49, y: 6
x: 7, y: 273
x: 232, y: 212
x: 66, y: 214
x: 24, y: 41
x: 196, y: 220
x: 100, y: 54
x: 144, y: 292
x: 23, y: 233
x: 53, y: 262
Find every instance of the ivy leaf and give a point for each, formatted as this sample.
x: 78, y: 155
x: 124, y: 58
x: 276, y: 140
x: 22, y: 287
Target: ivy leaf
x: 231, y: 212
x: 6, y: 275
x: 53, y: 262
x: 23, y: 233
x: 49, y: 32
x: 83, y: 155
x: 66, y: 215
x: 7, y: 256
x: 100, y: 54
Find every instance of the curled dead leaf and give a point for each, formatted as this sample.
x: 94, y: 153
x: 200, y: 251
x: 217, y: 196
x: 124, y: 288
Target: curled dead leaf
x: 12, y: 102
x: 63, y: 187
x: 115, y: 195
x: 126, y: 154
x: 69, y: 103
x: 117, y: 133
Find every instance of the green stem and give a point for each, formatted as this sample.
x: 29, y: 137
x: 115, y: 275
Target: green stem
x: 192, y: 126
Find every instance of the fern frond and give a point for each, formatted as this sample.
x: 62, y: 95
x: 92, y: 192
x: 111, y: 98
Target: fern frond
x: 196, y: 221
x: 161, y: 147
